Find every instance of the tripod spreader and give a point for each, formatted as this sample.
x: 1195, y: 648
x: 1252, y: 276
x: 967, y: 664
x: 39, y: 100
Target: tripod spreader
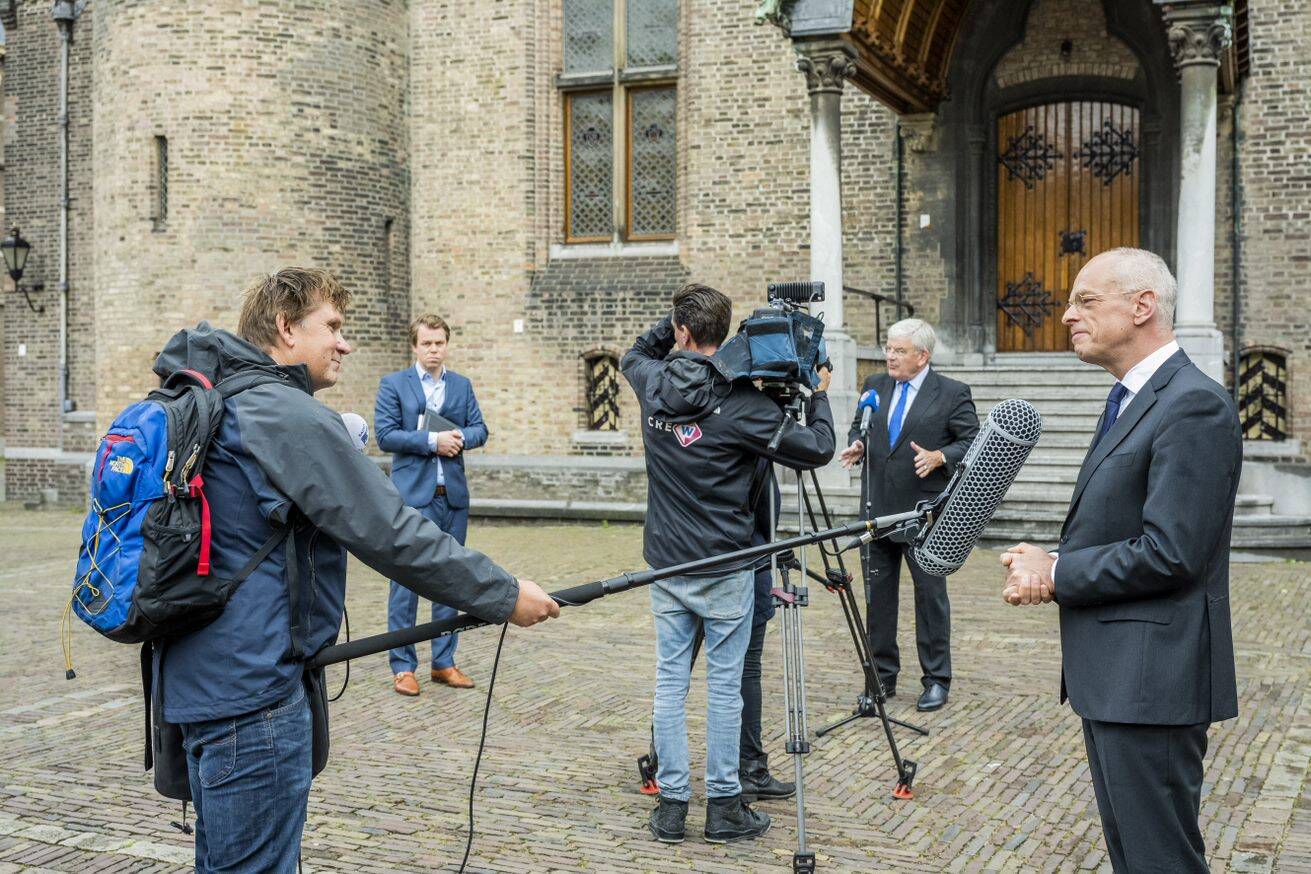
x: 587, y: 592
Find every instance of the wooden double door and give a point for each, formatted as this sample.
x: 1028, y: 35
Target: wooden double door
x: 1069, y: 177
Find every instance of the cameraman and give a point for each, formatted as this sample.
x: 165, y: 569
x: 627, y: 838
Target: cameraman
x: 703, y: 434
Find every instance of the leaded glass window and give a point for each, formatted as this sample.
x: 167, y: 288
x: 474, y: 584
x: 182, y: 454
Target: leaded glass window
x: 588, y: 36
x: 652, y: 32
x: 651, y: 165
x: 591, y: 165
x: 619, y: 89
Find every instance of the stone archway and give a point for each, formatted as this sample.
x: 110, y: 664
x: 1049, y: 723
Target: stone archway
x: 1015, y: 54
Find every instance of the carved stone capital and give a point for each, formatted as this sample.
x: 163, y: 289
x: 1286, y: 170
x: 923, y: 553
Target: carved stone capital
x: 919, y: 131
x: 826, y: 65
x: 1198, y: 33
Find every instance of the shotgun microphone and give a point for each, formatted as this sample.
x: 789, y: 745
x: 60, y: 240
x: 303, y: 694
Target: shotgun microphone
x: 985, y: 475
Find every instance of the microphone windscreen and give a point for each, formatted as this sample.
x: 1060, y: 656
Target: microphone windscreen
x: 993, y: 461
x: 870, y: 399
x: 357, y: 428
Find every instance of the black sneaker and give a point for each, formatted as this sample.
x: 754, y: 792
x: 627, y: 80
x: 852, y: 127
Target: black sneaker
x: 759, y: 785
x: 666, y: 821
x: 730, y: 819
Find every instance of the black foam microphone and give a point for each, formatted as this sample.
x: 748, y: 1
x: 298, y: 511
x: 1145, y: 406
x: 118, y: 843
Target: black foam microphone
x: 985, y: 475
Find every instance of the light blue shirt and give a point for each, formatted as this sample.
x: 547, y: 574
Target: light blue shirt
x: 434, y: 394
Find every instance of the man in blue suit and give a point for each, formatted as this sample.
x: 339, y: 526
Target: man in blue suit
x: 428, y: 470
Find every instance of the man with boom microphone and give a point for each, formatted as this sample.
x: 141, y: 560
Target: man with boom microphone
x: 1141, y: 575
x: 248, y: 717
x: 703, y: 434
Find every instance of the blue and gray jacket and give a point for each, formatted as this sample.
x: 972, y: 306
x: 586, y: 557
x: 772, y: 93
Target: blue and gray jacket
x: 283, y: 458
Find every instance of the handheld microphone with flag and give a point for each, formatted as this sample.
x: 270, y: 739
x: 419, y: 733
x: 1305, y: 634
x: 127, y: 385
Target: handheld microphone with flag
x: 868, y: 406
x: 357, y: 428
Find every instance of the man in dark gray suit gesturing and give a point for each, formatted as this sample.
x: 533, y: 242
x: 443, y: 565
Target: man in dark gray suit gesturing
x: 924, y: 426
x: 1142, y: 572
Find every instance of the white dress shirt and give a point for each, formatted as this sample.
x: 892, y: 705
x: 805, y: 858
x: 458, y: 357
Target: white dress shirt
x: 915, y: 383
x: 1133, y: 382
x: 1144, y: 370
x: 434, y: 394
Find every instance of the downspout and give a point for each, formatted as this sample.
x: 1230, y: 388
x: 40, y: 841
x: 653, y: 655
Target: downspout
x: 65, y: 12
x: 1236, y: 211
x: 898, y: 163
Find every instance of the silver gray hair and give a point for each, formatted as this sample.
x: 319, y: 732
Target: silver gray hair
x: 918, y: 331
x: 1138, y: 270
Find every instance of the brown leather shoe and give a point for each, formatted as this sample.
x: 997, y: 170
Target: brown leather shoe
x: 406, y: 684
x: 453, y: 677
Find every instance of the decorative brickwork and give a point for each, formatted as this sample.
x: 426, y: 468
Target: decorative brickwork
x: 1066, y: 38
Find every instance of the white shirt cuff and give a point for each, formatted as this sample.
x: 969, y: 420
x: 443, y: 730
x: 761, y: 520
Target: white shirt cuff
x: 432, y: 441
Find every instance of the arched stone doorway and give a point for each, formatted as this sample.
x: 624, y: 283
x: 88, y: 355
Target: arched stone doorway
x: 1066, y: 68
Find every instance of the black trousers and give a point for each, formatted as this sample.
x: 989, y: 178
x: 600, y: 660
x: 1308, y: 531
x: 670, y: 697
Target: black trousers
x: 932, y: 615
x: 750, y: 748
x: 1148, y: 780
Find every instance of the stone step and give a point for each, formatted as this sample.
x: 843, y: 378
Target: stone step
x: 1082, y: 378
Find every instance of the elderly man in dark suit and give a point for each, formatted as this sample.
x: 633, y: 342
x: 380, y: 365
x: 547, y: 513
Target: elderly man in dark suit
x: 1142, y: 573
x: 924, y: 426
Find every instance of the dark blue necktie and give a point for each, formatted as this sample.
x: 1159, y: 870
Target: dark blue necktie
x: 898, y: 413
x: 1113, y: 401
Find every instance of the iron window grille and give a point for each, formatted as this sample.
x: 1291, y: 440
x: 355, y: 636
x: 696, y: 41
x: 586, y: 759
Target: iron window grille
x: 1263, y: 394
x: 602, y: 392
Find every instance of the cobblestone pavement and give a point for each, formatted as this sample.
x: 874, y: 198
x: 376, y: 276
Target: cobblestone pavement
x: 1002, y: 783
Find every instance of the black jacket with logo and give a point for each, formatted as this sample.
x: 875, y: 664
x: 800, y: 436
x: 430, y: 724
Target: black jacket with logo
x: 703, y: 435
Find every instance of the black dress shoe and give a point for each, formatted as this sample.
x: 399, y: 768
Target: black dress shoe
x: 759, y: 785
x: 933, y: 698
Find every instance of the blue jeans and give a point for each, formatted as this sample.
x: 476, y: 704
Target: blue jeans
x: 250, y: 783
x: 722, y: 605
x: 403, y: 605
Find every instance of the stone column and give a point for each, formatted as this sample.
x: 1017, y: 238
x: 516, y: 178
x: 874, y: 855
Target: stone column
x: 1198, y: 34
x: 826, y: 64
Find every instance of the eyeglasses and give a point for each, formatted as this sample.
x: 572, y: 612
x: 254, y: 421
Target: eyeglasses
x: 894, y: 352
x: 1080, y: 301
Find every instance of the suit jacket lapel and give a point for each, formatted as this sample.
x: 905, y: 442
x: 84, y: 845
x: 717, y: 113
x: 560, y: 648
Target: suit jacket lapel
x: 448, y: 396
x: 878, y: 424
x: 412, y: 377
x: 1138, y: 407
x: 924, y: 399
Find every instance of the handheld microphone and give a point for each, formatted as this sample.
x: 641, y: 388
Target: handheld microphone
x: 990, y: 466
x: 357, y: 428
x: 869, y: 405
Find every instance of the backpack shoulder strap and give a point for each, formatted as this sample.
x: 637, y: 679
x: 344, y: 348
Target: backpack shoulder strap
x: 247, y: 379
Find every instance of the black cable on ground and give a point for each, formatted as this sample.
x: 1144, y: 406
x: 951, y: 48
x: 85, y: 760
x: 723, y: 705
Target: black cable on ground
x: 482, y: 741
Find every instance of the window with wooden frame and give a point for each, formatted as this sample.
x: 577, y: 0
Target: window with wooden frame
x: 620, y: 97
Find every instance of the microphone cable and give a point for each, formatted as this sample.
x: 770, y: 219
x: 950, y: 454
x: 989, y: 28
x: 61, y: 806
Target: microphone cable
x: 482, y: 741
x: 346, y: 681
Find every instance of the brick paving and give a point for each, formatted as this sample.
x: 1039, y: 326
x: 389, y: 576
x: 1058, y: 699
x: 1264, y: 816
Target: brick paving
x: 1002, y: 783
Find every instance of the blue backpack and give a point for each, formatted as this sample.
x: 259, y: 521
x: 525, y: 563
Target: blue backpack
x: 143, y: 570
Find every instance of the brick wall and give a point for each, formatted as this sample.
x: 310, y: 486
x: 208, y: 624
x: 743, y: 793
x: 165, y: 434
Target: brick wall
x: 287, y: 146
x: 31, y: 143
x: 1051, y: 23
x: 1276, y: 193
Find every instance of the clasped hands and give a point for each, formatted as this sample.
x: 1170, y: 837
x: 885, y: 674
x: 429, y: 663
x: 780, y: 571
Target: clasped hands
x: 450, y: 443
x: 1028, y: 575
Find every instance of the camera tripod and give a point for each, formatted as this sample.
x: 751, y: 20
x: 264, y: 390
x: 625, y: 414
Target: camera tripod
x: 789, y: 598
